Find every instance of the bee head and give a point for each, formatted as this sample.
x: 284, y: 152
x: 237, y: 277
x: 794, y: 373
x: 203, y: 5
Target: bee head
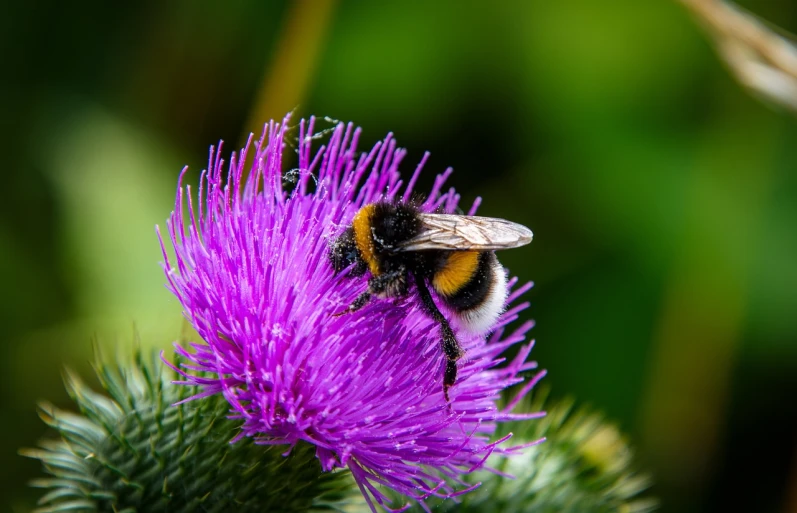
x: 344, y: 252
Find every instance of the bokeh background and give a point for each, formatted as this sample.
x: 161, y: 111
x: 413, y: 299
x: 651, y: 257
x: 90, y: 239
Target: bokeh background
x: 663, y: 196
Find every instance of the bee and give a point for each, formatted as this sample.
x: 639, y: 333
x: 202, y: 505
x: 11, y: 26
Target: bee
x: 406, y: 250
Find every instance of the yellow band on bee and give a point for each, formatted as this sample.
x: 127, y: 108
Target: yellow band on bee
x: 363, y: 237
x: 457, y: 272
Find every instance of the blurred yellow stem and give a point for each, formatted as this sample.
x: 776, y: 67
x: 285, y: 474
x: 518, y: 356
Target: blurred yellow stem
x: 761, y: 59
x: 289, y: 74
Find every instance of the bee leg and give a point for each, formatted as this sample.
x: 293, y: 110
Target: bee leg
x: 449, y: 378
x: 390, y: 282
x: 450, y: 345
x: 358, y: 303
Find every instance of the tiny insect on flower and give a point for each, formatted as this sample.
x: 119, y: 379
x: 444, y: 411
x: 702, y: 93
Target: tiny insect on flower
x: 255, y: 272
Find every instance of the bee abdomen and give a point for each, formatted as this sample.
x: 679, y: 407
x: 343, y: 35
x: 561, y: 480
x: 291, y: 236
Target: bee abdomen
x: 473, y: 286
x: 456, y: 273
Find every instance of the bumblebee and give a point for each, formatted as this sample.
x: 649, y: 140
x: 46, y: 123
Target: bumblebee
x: 407, y: 250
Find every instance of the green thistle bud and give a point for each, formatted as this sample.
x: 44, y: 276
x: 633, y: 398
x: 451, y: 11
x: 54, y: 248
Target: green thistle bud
x: 584, y: 466
x: 132, y: 450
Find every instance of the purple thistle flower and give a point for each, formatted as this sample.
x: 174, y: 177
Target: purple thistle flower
x: 253, y: 276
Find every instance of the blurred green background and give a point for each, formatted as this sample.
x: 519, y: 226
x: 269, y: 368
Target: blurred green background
x: 663, y: 197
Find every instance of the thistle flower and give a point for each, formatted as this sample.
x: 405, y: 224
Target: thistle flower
x: 252, y: 273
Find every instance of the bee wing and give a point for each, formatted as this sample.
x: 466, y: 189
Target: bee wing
x: 453, y: 232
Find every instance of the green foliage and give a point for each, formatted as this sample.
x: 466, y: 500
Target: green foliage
x: 134, y: 451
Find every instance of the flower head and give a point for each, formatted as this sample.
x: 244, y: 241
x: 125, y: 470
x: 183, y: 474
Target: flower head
x: 252, y: 272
